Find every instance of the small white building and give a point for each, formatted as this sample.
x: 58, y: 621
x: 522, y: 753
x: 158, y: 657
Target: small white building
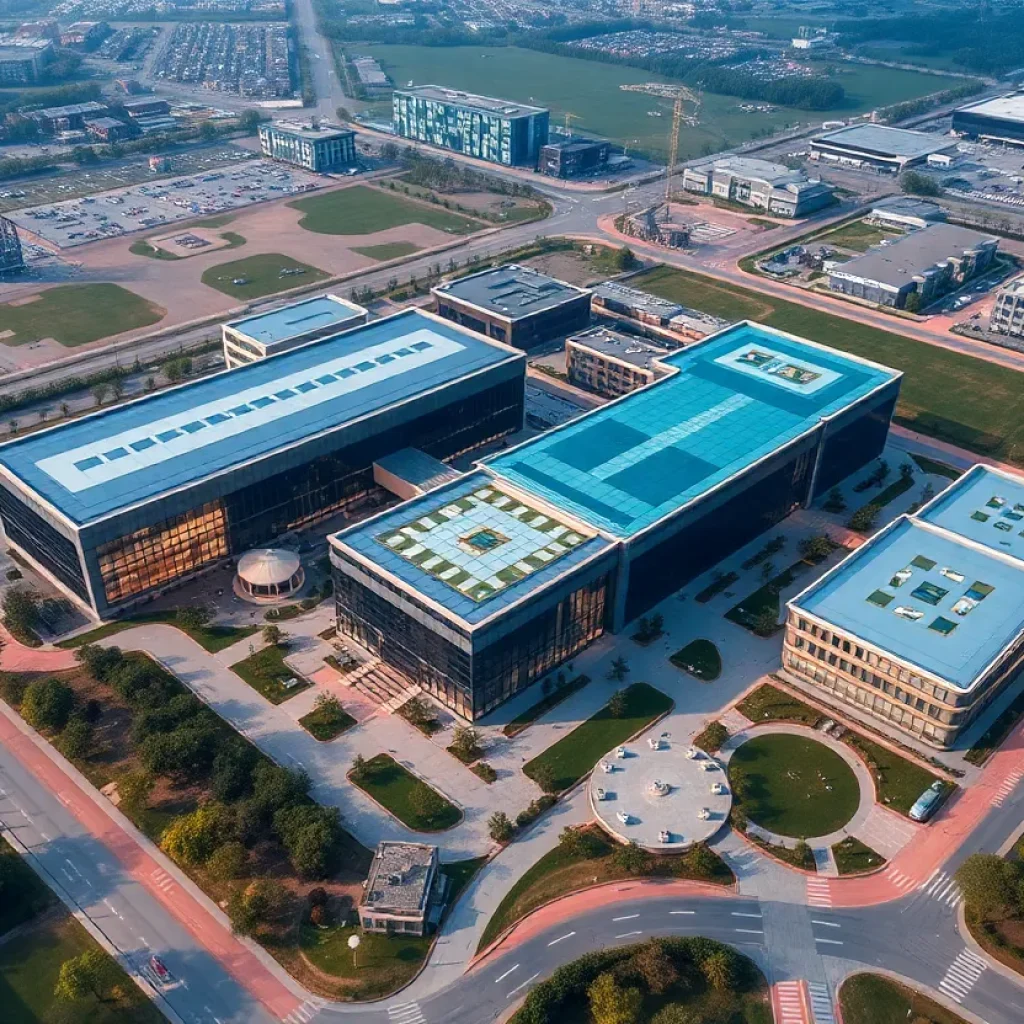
x: 404, y: 892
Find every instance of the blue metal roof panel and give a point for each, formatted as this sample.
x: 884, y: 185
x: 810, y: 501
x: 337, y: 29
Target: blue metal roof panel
x: 127, y: 454
x: 297, y: 318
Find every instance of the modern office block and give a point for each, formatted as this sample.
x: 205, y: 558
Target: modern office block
x: 516, y: 305
x: 879, y: 146
x: 760, y: 185
x: 266, y: 334
x: 923, y: 626
x: 573, y: 158
x: 119, y: 505
x: 500, y: 131
x: 480, y: 587
x: 320, y: 149
x: 611, y: 363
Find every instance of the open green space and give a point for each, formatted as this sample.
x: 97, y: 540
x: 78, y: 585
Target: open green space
x: 591, y: 91
x: 768, y: 704
x: 387, y: 250
x: 76, y: 314
x: 256, y: 276
x: 893, y: 491
x: 793, y: 786
x: 700, y: 658
x: 266, y: 672
x: 872, y: 999
x: 854, y: 857
x: 212, y: 637
x: 24, y: 894
x: 408, y: 798
x: 936, y: 468
x: 361, y: 210
x: 576, y: 754
x: 856, y: 235
x: 143, y: 248
x: 326, y: 722
x: 560, y: 691
x: 29, y: 969
x: 234, y: 239
x: 593, y: 861
x: 970, y: 402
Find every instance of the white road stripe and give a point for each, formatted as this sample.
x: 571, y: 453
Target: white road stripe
x: 506, y: 974
x: 562, y: 938
x: 524, y: 984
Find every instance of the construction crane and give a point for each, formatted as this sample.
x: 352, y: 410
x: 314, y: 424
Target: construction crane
x: 570, y: 117
x: 682, y: 96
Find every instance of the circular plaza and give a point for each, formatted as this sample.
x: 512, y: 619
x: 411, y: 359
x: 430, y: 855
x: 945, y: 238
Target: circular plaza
x: 661, y: 795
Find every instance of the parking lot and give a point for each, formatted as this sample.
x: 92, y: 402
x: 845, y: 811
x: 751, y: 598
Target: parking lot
x: 143, y: 207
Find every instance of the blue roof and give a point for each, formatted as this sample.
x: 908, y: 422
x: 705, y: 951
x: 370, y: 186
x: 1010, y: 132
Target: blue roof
x: 736, y: 398
x: 131, y: 453
x: 984, y: 505
x: 296, y: 319
x: 926, y: 597
x: 472, y: 548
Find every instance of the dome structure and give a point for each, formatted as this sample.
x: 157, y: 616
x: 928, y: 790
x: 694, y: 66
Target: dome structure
x: 269, y: 574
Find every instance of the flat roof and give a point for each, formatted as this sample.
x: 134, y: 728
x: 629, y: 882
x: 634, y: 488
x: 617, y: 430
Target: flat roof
x: 737, y: 397
x: 896, y: 262
x: 908, y: 206
x: 399, y: 877
x: 473, y: 547
x: 631, y: 350
x: 490, y: 104
x: 927, y: 597
x: 1005, y: 108
x: 615, y: 291
x: 307, y: 131
x: 881, y: 140
x: 571, y: 144
x: 417, y: 468
x: 127, y: 454
x: 511, y: 291
x: 297, y: 318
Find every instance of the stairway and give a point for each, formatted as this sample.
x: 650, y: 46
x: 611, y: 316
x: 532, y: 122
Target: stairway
x: 384, y: 685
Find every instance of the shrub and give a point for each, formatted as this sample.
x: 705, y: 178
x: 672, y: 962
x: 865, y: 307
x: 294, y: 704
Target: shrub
x: 228, y: 862
x: 193, y: 618
x: 47, y: 704
x: 192, y: 838
x: 75, y: 739
x: 499, y: 827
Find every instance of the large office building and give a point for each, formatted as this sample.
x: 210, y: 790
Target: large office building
x: 319, y: 149
x: 611, y: 363
x: 926, y: 264
x: 1007, y: 316
x: 923, y: 626
x: 574, y: 158
x: 997, y: 120
x: 760, y: 185
x: 878, y: 146
x: 119, y: 505
x: 480, y: 587
x: 500, y: 131
x: 265, y: 334
x: 12, y: 258
x: 517, y: 305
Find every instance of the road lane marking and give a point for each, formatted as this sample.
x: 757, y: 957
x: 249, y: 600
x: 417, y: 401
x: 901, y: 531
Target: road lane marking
x: 682, y: 912
x: 523, y: 985
x: 628, y: 917
x: 828, y: 942
x: 555, y: 942
x: 826, y: 924
x: 962, y: 975
x: 506, y: 974
x: 737, y: 913
x: 626, y: 935
x: 749, y: 931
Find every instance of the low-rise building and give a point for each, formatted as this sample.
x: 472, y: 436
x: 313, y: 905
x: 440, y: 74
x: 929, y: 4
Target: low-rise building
x: 22, y: 62
x: 1000, y: 119
x: 146, y: 106
x: 316, y: 148
x: 572, y: 158
x: 404, y: 893
x: 611, y: 363
x: 617, y: 297
x: 68, y: 118
x: 923, y: 626
x: 926, y: 264
x: 517, y: 305
x: 879, y: 146
x: 108, y: 129
x: 1007, y: 316
x: 906, y: 212
x: 759, y: 184
x: 84, y: 35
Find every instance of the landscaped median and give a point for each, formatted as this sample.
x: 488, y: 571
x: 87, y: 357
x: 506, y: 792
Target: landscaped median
x: 700, y: 658
x: 414, y: 803
x: 873, y: 999
x: 268, y: 674
x: 210, y: 636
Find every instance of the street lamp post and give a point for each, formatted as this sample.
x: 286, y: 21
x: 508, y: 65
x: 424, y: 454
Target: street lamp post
x: 353, y: 944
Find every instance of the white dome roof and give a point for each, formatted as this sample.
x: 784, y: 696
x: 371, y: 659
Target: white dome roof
x: 267, y: 567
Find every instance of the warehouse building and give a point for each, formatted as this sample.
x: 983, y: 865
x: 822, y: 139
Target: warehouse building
x: 923, y: 626
x: 611, y: 363
x: 318, y: 149
x: 500, y: 131
x: 67, y: 118
x: 924, y: 264
x: 117, y: 506
x: 997, y: 120
x: 878, y: 146
x: 573, y: 158
x: 475, y: 590
x: 516, y: 305
x: 760, y: 185
x: 906, y: 212
x: 266, y: 334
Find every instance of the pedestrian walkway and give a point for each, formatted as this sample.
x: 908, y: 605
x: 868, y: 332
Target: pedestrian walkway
x: 16, y: 657
x: 963, y: 975
x: 819, y: 892
x: 821, y: 1003
x: 789, y: 1003
x: 942, y: 887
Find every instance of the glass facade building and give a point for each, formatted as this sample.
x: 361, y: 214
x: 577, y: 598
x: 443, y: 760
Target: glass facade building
x: 315, y: 149
x: 119, y: 505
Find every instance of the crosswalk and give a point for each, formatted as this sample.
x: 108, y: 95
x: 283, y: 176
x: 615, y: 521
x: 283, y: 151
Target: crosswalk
x: 821, y: 1003
x: 941, y: 885
x: 789, y: 998
x: 306, y: 1012
x: 962, y: 975
x: 406, y: 1013
x: 1007, y: 787
x: 162, y: 880
x: 819, y: 893
x: 900, y: 879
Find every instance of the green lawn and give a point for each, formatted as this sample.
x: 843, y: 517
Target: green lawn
x: 700, y: 658
x: 872, y: 999
x: 24, y: 895
x: 234, y: 239
x: 768, y: 704
x: 793, y: 786
x: 76, y: 314
x: 265, y: 274
x: 853, y: 856
x: 969, y: 402
x: 266, y: 672
x: 544, y: 705
x: 143, y: 248
x: 326, y: 724
x: 408, y: 798
x: 212, y: 638
x: 361, y: 210
x: 899, y: 782
x: 855, y: 235
x: 936, y: 468
x: 387, y: 250
x: 576, y: 754
x: 893, y: 491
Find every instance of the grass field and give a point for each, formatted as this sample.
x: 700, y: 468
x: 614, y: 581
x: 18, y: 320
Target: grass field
x: 853, y: 856
x: 262, y: 275
x: 387, y: 250
x: 574, y: 755
x: 143, y: 248
x: 75, y: 314
x: 968, y: 402
x: 266, y: 672
x: 408, y: 798
x: 793, y: 786
x: 872, y: 999
x: 856, y: 235
x: 326, y: 724
x: 212, y: 638
x: 362, y: 210
x: 24, y: 893
x: 700, y: 658
x: 590, y: 90
x: 526, y: 718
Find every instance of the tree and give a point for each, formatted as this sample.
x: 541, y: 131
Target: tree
x: 227, y: 862
x: 252, y: 906
x: 312, y: 836
x: 274, y: 787
x: 544, y: 776
x: 47, y: 704
x: 500, y: 827
x: 65, y: 409
x: 912, y: 304
x: 358, y: 766
x: 652, y: 963
x: 249, y: 120
x: 632, y: 859
x: 917, y: 184
x: 815, y: 549
x: 192, y: 838
x: 193, y: 617
x: 426, y: 802
x: 719, y: 970
x: 21, y: 613
x: 185, y: 753
x: 624, y: 258
x: 675, y: 1014
x: 702, y: 861
x: 767, y: 571
x: 619, y: 669
x: 765, y: 622
x: 465, y: 743
x: 618, y: 705
x: 101, y: 392
x: 835, y: 502
x: 863, y: 520
x: 803, y: 853
x: 987, y: 882
x: 418, y: 712
x: 117, y: 388
x: 272, y: 635
x: 576, y: 842
x: 134, y: 789
x: 232, y: 771
x: 714, y: 735
x: 91, y: 972
x: 612, y: 1004
x: 207, y: 131
x: 75, y: 739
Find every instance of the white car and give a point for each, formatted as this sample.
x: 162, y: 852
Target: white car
x: 607, y: 767
x: 664, y: 836
x: 624, y: 816
x: 620, y: 752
